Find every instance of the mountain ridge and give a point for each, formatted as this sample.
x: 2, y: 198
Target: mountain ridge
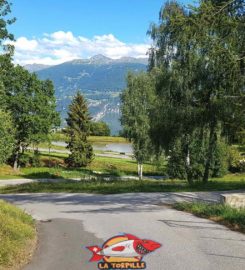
x: 96, y: 59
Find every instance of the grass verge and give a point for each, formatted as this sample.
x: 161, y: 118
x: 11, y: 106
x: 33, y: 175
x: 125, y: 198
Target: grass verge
x: 221, y: 213
x: 104, y: 165
x: 17, y: 236
x: 122, y: 186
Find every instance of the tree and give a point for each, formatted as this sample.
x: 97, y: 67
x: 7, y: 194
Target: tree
x: 99, y: 129
x: 201, y: 84
x: 31, y: 103
x: 5, y: 9
x: 77, y: 131
x: 137, y: 101
x: 7, y: 133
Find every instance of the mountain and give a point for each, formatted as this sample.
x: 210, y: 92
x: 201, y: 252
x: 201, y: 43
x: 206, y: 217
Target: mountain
x: 100, y: 79
x: 35, y: 67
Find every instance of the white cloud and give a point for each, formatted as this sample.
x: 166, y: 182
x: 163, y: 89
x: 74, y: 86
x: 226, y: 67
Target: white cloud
x: 59, y: 47
x: 23, y: 44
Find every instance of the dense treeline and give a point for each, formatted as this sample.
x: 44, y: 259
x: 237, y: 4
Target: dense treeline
x: 197, y: 107
x: 27, y: 105
x: 99, y: 129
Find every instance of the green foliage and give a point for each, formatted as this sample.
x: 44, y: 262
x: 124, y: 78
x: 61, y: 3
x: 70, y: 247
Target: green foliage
x: 236, y: 161
x: 99, y: 129
x: 198, y: 63
x: 176, y: 164
x: 177, y: 167
x: 32, y: 105
x: 77, y: 131
x: 30, y: 102
x: 81, y: 153
x: 24, y: 160
x: 219, y: 165
x: 35, y: 160
x: 7, y: 136
x: 137, y: 101
x: 5, y: 21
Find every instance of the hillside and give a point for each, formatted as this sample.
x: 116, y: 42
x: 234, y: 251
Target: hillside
x: 99, y: 78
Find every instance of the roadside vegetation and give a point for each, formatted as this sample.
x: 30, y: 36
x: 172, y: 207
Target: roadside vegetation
x: 190, y: 103
x: 235, y: 182
x: 224, y: 214
x: 17, y: 236
x: 57, y: 169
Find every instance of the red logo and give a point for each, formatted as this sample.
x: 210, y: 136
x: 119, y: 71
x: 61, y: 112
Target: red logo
x: 123, y: 252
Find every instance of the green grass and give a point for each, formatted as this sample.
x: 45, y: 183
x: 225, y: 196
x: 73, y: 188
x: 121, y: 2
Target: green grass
x: 105, y: 165
x: 17, y: 236
x: 124, y: 186
x: 59, y: 136
x: 121, y: 166
x: 107, y: 139
x: 224, y: 214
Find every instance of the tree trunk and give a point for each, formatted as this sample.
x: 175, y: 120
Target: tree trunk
x: 49, y: 162
x: 211, y: 148
x: 188, y: 164
x: 140, y: 171
x: 16, y: 158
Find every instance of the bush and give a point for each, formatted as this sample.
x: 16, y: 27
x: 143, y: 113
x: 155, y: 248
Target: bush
x: 35, y: 160
x: 236, y: 162
x: 99, y: 129
x: 28, y: 159
x: 219, y: 166
x: 176, y: 164
x: 24, y: 160
x: 177, y: 167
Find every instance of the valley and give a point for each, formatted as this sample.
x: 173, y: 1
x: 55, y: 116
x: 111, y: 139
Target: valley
x: 100, y: 79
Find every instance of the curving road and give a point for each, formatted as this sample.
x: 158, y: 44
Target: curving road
x: 69, y: 222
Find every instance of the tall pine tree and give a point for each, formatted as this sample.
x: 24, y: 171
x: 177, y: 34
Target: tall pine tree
x: 77, y: 131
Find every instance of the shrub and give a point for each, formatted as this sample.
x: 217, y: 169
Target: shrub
x: 35, y: 160
x: 219, y: 166
x: 24, y: 160
x: 236, y: 162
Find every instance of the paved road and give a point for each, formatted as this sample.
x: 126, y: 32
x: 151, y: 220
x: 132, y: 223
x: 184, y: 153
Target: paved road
x: 70, y: 222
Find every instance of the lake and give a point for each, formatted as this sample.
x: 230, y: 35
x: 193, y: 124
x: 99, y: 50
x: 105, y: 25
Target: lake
x: 107, y: 147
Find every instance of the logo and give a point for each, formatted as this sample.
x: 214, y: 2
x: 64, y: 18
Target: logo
x: 123, y: 252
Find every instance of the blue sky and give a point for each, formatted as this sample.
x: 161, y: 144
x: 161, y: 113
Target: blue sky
x: 54, y: 31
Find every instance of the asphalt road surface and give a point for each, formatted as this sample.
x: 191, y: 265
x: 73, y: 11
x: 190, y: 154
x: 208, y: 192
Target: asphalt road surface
x: 67, y: 223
